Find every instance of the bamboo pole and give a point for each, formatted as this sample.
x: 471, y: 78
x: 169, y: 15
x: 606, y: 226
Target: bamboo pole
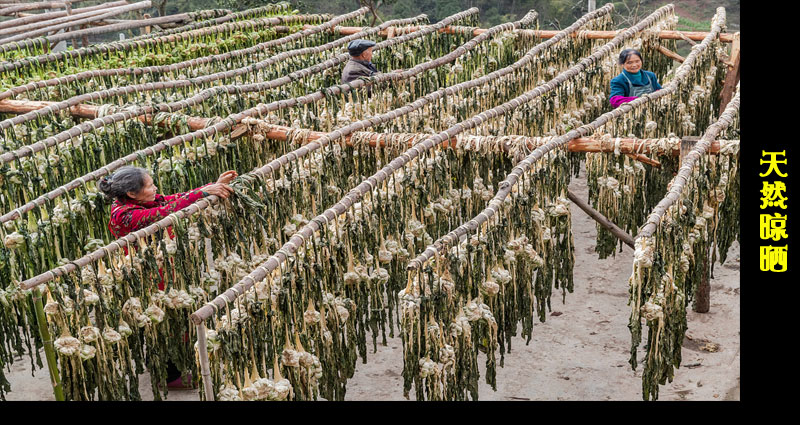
x: 628, y: 146
x: 180, y: 34
x: 49, y: 350
x: 681, y: 74
x: 75, y: 20
x: 592, y: 35
x: 47, y: 16
x: 121, y: 26
x: 10, y: 10
x: 205, y: 371
x: 299, y: 238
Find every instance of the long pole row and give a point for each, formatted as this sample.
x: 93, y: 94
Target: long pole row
x: 167, y: 107
x: 87, y: 18
x: 592, y: 35
x: 299, y: 238
x: 186, y: 32
x: 50, y: 16
x: 624, y: 145
x: 76, y: 14
x: 681, y: 74
x: 226, y: 126
x: 207, y: 129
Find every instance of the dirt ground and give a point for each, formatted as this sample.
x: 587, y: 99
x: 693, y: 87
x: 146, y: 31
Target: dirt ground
x: 580, y: 353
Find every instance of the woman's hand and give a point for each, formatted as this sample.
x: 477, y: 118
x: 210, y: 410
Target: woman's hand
x: 227, y: 177
x: 220, y: 189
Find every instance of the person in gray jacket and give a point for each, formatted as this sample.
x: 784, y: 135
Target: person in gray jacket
x: 360, y: 63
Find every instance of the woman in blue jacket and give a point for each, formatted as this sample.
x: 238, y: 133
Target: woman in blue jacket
x: 633, y: 81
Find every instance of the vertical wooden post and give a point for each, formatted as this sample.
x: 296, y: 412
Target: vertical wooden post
x: 73, y: 41
x: 147, y: 28
x: 49, y: 350
x: 85, y: 38
x: 202, y: 353
x: 732, y: 76
x: 687, y: 143
x: 702, y: 293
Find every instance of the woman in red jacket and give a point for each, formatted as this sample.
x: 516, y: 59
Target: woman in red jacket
x: 137, y: 205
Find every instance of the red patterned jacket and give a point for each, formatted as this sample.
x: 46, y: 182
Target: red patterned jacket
x: 129, y: 216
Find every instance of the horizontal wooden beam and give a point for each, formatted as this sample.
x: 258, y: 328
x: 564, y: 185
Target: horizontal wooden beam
x: 635, y: 147
x: 593, y: 35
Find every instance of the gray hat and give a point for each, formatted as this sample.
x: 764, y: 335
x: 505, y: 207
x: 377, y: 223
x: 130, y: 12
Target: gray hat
x: 356, y: 47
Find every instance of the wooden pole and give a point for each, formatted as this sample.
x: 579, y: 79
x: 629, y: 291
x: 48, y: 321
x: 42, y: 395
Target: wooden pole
x: 702, y: 294
x: 27, y: 18
x: 592, y: 35
x: 641, y: 158
x: 205, y: 371
x: 147, y: 28
x: 184, y: 17
x: 600, y: 218
x: 9, y: 10
x: 49, y: 350
x: 81, y: 20
x: 72, y: 39
x: 670, y: 54
x: 84, y: 37
x: 635, y: 147
x: 69, y: 16
x: 732, y: 76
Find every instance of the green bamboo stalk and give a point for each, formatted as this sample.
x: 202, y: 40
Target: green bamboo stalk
x: 49, y: 350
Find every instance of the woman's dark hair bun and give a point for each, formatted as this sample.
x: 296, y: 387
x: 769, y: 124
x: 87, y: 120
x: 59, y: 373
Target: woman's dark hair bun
x: 125, y: 179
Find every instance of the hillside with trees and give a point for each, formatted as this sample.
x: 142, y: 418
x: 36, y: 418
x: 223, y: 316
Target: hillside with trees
x: 554, y: 14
